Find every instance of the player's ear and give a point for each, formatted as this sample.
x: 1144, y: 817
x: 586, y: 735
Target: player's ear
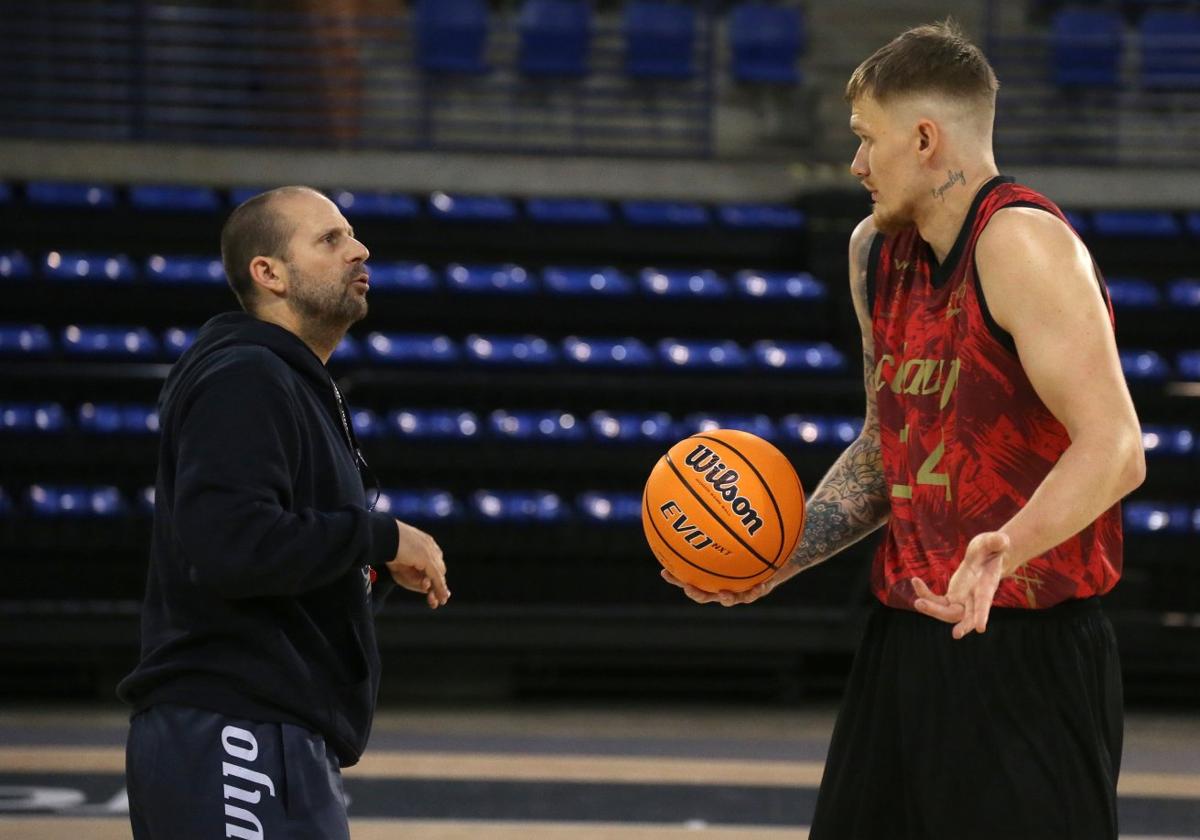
x: 268, y: 274
x: 927, y: 137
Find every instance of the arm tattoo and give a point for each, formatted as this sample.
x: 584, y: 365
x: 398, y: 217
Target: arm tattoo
x: 852, y: 500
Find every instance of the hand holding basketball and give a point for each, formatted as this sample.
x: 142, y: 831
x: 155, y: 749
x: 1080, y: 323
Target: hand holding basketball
x: 722, y: 512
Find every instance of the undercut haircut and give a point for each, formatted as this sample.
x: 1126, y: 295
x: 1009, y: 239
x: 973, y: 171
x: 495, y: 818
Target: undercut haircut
x: 933, y: 59
x: 256, y: 228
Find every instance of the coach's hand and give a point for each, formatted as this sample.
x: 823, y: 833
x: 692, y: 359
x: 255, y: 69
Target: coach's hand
x: 968, y: 598
x: 724, y: 598
x: 418, y: 565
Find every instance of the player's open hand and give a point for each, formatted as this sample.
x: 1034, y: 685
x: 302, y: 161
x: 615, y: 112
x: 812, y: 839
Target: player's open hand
x: 724, y: 598
x: 418, y: 565
x: 968, y: 598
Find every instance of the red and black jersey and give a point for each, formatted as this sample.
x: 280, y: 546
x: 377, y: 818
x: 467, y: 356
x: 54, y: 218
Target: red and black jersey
x: 965, y: 438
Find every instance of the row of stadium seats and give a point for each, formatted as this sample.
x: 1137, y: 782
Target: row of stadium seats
x: 177, y: 198
x: 140, y: 344
x: 660, y: 39
x: 1088, y: 46
x: 1126, y: 292
x: 458, y: 424
x: 565, y: 211
x: 106, y: 501
x: 419, y: 277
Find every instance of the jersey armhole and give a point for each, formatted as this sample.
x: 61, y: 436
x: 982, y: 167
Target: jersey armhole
x: 872, y: 264
x: 998, y: 332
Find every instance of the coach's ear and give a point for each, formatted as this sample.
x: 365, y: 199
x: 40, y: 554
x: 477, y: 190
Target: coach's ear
x: 269, y: 275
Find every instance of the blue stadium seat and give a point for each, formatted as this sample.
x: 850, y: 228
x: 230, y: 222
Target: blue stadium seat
x: 1158, y: 517
x: 509, y: 278
x: 433, y: 423
x: 14, y: 266
x: 656, y: 427
x: 48, y: 501
x: 58, y: 194
x: 1144, y: 365
x: 451, y: 35
x: 702, y: 355
x: 240, y: 195
x: 1133, y: 293
x: 704, y: 283
x: 365, y: 203
x: 1170, y: 441
x: 176, y: 340
x: 1078, y: 221
x: 1193, y: 223
x: 761, y: 216
x: 25, y: 340
x: 1146, y: 223
x: 555, y: 37
x: 587, y: 281
x: 1189, y: 365
x: 109, y: 342
x: 756, y: 424
x: 73, y: 265
x: 777, y: 285
x: 1085, y: 48
x: 1184, y: 293
x: 536, y: 425
x: 610, y: 507
x: 510, y: 350
x: 665, y: 214
x: 6, y: 505
x: 145, y: 500
x: 27, y: 418
x: 418, y: 504
x: 348, y: 350
x: 402, y: 276
x: 766, y: 42
x: 174, y: 198
x: 608, y: 352
x: 659, y: 40
x: 820, y: 431
x: 1170, y: 49
x: 472, y: 208
x: 569, y: 211
x: 117, y: 418
x: 518, y: 506
x: 6, y: 193
x: 367, y: 424
x: 819, y: 357
x: 185, y: 270
x: 411, y: 348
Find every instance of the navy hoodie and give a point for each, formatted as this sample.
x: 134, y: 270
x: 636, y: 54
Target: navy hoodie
x: 258, y: 597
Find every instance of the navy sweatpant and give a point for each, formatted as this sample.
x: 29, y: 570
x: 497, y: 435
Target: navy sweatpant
x: 197, y: 774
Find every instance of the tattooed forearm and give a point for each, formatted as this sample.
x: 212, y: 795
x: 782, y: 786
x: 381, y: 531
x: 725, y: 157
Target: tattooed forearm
x: 849, y: 503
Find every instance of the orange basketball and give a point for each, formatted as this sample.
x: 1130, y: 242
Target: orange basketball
x: 723, y: 510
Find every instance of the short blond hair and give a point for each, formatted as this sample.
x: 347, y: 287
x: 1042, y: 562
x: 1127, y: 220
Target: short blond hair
x: 933, y: 59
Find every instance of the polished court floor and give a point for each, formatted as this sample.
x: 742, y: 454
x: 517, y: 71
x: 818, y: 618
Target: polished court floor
x: 538, y: 772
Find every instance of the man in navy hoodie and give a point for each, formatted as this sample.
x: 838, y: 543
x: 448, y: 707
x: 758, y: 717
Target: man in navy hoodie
x: 259, y: 668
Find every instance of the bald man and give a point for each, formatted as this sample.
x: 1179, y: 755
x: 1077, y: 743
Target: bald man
x: 985, y: 700
x: 259, y: 668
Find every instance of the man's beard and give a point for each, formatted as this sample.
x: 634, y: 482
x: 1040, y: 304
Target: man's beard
x: 889, y: 222
x: 326, y: 306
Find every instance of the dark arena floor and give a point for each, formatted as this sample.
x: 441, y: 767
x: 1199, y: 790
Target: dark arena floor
x: 543, y: 772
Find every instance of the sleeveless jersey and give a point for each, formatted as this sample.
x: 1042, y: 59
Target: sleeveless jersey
x: 965, y: 439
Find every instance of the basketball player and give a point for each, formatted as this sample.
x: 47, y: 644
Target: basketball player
x: 259, y: 668
x: 985, y: 700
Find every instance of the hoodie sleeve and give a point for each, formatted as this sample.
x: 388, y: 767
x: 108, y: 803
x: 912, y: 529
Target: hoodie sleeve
x: 238, y: 534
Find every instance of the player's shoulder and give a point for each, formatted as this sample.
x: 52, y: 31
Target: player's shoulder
x: 1022, y: 228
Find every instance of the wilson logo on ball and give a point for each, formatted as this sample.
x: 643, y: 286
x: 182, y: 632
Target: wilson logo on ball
x: 696, y: 538
x: 704, y: 460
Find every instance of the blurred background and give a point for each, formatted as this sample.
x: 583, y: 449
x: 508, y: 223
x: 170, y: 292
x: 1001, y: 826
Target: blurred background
x: 596, y: 227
